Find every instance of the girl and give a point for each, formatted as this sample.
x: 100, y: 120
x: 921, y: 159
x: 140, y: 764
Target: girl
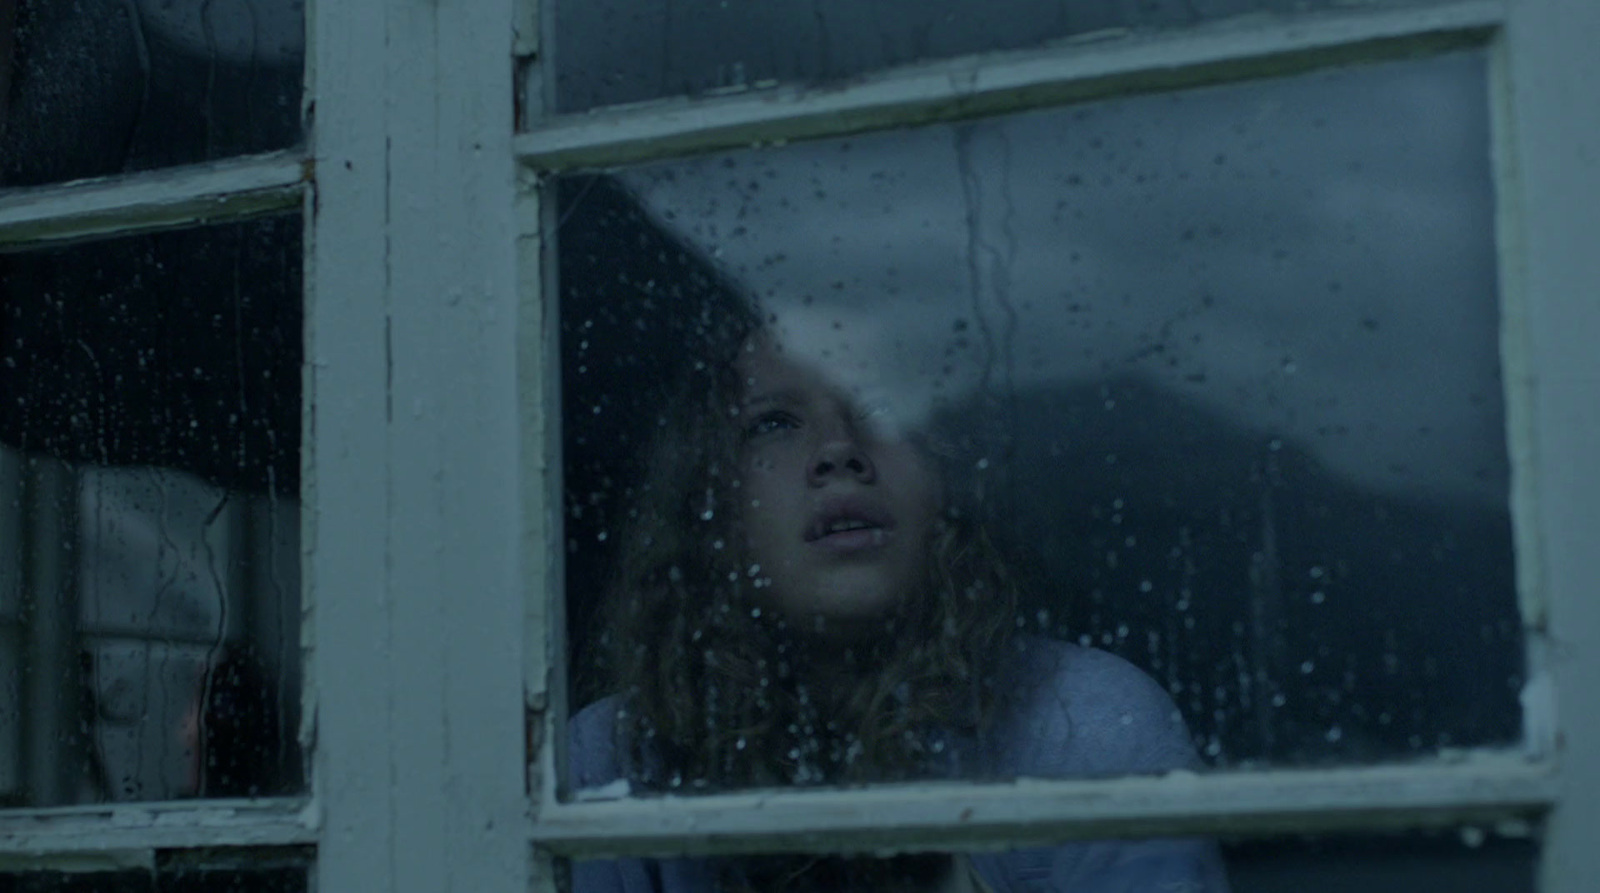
x: 809, y: 595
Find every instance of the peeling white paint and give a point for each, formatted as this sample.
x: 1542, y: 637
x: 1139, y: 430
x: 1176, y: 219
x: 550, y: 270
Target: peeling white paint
x: 1539, y: 724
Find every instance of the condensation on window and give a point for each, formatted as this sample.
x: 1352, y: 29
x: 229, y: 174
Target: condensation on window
x: 1192, y: 401
x: 149, y: 477
x: 92, y: 88
x: 1467, y: 858
x: 617, y: 51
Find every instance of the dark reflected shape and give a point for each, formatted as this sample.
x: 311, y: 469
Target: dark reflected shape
x: 180, y: 349
x: 628, y: 292
x: 100, y: 87
x: 617, y: 51
x: 249, y: 735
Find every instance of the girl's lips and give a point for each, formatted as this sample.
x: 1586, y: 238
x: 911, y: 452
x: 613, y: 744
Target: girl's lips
x: 854, y: 540
x: 849, y: 521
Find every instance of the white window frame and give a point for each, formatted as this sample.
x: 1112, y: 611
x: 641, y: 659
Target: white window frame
x: 430, y: 502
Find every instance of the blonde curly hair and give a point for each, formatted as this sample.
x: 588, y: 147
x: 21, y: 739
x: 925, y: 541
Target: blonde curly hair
x: 714, y: 694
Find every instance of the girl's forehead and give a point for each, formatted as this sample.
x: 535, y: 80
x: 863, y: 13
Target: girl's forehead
x: 772, y: 374
x: 769, y: 370
x: 858, y: 357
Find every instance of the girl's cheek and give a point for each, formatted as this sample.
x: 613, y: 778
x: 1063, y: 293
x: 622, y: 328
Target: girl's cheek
x: 758, y: 462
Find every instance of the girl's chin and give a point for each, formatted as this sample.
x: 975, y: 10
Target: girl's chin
x: 847, y: 602
x: 844, y: 627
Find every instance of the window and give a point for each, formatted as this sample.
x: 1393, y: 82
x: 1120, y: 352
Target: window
x: 787, y: 179
x: 151, y: 163
x: 424, y: 519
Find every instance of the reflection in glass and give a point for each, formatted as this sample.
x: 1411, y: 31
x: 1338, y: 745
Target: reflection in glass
x: 1191, y: 404
x: 616, y: 51
x: 149, y: 472
x: 1469, y: 859
x: 97, y: 87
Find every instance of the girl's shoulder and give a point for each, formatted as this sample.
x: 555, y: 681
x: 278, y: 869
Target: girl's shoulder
x: 1071, y: 711
x: 592, y: 751
x: 1065, y: 710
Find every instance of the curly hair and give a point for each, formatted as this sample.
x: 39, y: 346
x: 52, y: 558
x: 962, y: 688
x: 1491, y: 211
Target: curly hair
x: 713, y: 692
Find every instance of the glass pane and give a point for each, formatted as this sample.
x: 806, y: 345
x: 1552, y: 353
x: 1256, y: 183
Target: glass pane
x: 1469, y: 859
x: 149, y: 478
x: 616, y: 51
x: 96, y: 87
x: 171, y: 879
x: 991, y: 449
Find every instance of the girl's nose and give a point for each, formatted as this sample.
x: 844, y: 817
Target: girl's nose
x: 841, y: 457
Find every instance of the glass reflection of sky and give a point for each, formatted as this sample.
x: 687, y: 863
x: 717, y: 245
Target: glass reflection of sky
x: 1312, y: 258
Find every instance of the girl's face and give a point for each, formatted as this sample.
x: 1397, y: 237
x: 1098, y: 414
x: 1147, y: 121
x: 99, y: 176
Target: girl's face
x: 837, y: 511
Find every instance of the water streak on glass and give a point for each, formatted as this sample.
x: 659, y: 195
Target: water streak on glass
x: 91, y: 88
x: 1190, y: 405
x: 149, y: 477
x: 617, y: 51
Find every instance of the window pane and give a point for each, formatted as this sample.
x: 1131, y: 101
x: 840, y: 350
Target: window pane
x: 96, y: 87
x: 980, y: 449
x: 149, y: 477
x: 616, y: 51
x: 1469, y: 859
x: 171, y: 879
x: 1465, y: 859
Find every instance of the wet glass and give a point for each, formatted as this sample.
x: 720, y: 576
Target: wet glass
x: 149, y: 477
x: 617, y: 51
x: 1460, y: 859
x: 1203, y: 390
x: 90, y: 88
x: 287, y: 878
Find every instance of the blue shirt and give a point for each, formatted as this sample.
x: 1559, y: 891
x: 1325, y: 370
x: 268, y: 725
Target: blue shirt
x: 1070, y: 712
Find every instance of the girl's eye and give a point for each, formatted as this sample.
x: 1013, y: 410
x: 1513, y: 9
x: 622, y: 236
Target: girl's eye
x: 771, y: 422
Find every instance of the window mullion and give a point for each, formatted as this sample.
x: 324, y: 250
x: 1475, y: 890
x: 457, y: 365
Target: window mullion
x: 345, y: 449
x: 413, y: 512
x: 1551, y: 186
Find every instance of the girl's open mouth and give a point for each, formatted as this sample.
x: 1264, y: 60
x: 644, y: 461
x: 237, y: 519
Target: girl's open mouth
x: 849, y: 524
